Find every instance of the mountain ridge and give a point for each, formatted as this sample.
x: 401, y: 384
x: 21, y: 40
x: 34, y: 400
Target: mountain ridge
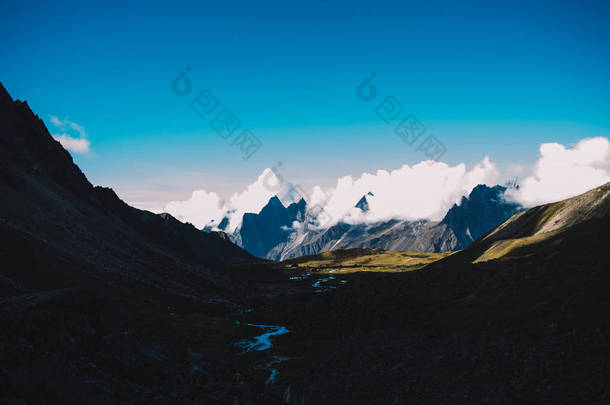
x: 30, y: 155
x: 483, y: 209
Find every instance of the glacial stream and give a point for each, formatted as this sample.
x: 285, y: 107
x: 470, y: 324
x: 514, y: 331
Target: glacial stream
x: 263, y: 342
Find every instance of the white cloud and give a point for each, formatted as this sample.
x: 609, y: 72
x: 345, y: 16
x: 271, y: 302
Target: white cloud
x: 563, y: 172
x: 200, y: 209
x: 207, y: 208
x: 422, y: 191
x: 425, y: 190
x: 516, y: 169
x: 74, y: 144
x: 256, y: 196
x: 66, y: 123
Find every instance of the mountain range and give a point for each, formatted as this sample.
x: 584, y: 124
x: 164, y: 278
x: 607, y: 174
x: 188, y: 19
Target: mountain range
x: 271, y: 233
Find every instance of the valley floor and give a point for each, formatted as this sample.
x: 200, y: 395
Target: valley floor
x: 398, y: 338
x: 302, y: 335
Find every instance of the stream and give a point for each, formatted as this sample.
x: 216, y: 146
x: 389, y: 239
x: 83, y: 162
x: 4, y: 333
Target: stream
x: 262, y: 342
x: 323, y: 284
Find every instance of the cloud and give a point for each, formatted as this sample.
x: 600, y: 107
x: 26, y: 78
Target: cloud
x: 516, y: 169
x: 208, y: 208
x: 563, y: 172
x: 76, y: 145
x: 79, y: 144
x: 425, y: 190
x: 66, y: 123
x: 422, y: 191
x: 257, y: 195
x: 200, y: 209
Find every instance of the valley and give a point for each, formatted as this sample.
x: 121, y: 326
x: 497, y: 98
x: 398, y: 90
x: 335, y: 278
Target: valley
x: 102, y: 303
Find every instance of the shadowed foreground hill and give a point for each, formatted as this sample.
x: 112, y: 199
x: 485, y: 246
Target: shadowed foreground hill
x: 94, y: 292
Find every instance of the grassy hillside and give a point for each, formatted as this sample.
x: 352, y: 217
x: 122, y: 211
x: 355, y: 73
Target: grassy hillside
x: 542, y: 227
x: 343, y: 261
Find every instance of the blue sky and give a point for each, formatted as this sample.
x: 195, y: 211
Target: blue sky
x: 486, y: 78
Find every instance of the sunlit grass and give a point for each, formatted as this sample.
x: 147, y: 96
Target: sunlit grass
x: 508, y: 248
x: 359, y: 260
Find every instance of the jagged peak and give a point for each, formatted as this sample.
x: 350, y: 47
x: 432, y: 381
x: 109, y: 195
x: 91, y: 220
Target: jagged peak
x: 363, y: 203
x: 5, y: 97
x: 29, y: 145
x: 275, y: 201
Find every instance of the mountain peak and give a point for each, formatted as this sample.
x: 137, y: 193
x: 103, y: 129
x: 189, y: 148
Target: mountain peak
x: 4, y: 96
x: 483, y: 192
x: 259, y: 233
x: 363, y: 203
x: 484, y: 209
x: 273, y: 205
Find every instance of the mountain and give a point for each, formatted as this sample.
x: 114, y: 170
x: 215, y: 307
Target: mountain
x: 484, y: 209
x: 46, y: 193
x: 363, y: 203
x: 388, y: 235
x: 259, y: 233
x: 547, y: 227
x: 84, y: 275
x: 222, y: 225
x: 476, y: 214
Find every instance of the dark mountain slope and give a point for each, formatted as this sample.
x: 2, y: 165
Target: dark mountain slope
x: 39, y: 172
x: 101, y: 302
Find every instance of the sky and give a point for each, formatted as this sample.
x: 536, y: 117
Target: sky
x: 485, y: 78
